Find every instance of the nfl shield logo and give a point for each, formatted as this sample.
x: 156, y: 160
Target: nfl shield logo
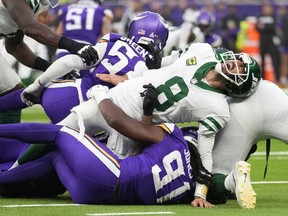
x: 141, y: 31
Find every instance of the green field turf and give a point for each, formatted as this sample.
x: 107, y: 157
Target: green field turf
x: 272, y: 192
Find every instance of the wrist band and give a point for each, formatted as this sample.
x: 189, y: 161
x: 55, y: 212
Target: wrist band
x: 70, y: 45
x: 201, y: 190
x: 41, y: 64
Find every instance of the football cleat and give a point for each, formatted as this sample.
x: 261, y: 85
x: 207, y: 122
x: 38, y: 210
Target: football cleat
x: 245, y: 194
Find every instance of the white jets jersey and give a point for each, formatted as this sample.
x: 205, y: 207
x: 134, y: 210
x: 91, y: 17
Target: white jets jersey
x: 8, y: 27
x: 261, y: 116
x: 183, y: 95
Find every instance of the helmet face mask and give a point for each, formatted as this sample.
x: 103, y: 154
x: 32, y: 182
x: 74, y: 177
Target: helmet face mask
x: 52, y: 3
x: 241, y: 82
x: 149, y: 27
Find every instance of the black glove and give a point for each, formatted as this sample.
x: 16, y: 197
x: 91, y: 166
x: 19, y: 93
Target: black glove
x: 155, y: 61
x: 88, y: 55
x: 150, y: 99
x: 72, y: 75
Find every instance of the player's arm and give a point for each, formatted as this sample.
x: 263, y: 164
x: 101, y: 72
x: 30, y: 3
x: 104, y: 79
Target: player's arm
x: 128, y: 126
x: 120, y: 121
x: 26, y: 20
x: 107, y: 22
x: 19, y: 49
x: 59, y: 68
x: 22, y: 14
x: 66, y: 64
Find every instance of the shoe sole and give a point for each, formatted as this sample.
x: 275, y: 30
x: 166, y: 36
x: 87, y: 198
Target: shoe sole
x: 245, y: 194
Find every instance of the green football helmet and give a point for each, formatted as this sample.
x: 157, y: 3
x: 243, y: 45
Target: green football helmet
x: 239, y: 84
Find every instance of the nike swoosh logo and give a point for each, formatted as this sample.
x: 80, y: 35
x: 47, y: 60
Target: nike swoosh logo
x: 139, y: 17
x: 245, y: 177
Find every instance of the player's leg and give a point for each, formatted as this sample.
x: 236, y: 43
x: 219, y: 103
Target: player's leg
x: 59, y: 98
x: 35, y: 179
x: 9, y: 82
x: 238, y: 182
x: 87, y: 168
x: 29, y: 132
x: 86, y: 117
x: 12, y: 101
x: 10, y: 150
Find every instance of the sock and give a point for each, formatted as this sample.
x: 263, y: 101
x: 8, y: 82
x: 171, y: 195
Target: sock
x: 229, y: 182
x: 10, y: 117
x: 217, y: 194
x: 34, y: 152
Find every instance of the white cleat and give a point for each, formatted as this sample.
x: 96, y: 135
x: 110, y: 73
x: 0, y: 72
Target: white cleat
x: 245, y: 194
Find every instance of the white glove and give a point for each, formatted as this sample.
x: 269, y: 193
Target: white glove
x: 98, y: 93
x: 30, y: 95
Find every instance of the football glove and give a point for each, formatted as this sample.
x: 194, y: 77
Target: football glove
x: 88, y: 55
x: 153, y: 62
x: 150, y: 99
x: 31, y: 94
x: 72, y: 75
x: 98, y: 93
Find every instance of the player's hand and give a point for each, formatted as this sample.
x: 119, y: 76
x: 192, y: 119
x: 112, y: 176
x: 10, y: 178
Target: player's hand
x: 153, y: 62
x: 112, y: 78
x: 202, y: 203
x: 88, y: 55
x: 31, y: 94
x: 150, y: 99
x: 98, y: 93
x: 72, y: 75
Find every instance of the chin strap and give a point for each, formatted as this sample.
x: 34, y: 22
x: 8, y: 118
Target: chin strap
x: 268, y: 145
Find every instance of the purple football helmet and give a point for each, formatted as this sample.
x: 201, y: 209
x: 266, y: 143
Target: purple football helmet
x: 190, y: 134
x: 149, y: 26
x: 205, y: 21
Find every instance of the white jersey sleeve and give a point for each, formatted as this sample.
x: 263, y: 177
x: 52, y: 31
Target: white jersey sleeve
x: 61, y: 67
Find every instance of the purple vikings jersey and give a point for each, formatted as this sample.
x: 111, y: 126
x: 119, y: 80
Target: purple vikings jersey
x: 160, y: 174
x: 118, y: 55
x: 82, y: 22
x: 121, y: 56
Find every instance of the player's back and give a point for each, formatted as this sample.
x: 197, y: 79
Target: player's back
x: 262, y: 115
x: 119, y: 55
x: 161, y: 173
x: 180, y: 98
x: 82, y: 21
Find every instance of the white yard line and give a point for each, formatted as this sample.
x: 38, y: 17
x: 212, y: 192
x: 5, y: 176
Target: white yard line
x: 131, y: 213
x: 271, y: 153
x: 270, y: 182
x: 38, y: 205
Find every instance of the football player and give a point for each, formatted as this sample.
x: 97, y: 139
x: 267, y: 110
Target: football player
x: 99, y: 176
x: 194, y: 88
x: 84, y: 20
x: 18, y: 19
x: 116, y: 55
